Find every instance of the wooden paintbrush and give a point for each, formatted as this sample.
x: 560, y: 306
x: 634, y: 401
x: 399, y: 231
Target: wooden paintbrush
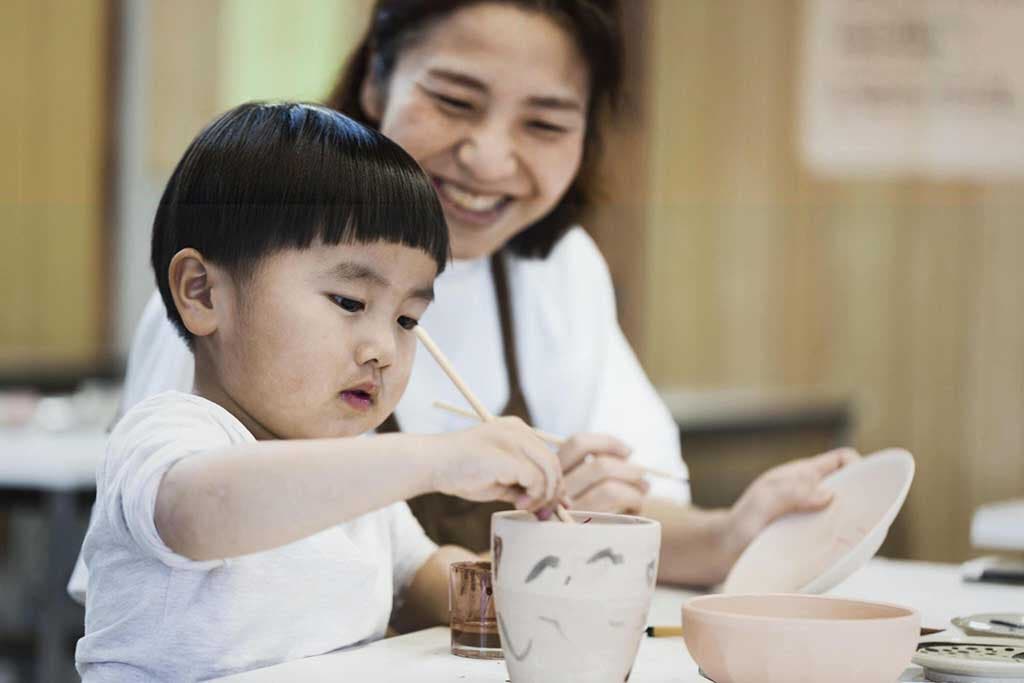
x: 481, y: 410
x: 554, y: 440
x: 675, y: 631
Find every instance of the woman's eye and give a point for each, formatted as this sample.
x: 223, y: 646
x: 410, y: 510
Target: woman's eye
x: 453, y: 102
x: 545, y: 127
x: 350, y: 305
x: 407, y: 323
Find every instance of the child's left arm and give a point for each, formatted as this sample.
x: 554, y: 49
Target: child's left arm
x: 426, y: 599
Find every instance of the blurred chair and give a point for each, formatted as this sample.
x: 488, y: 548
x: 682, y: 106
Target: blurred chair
x: 999, y: 527
x: 729, y: 437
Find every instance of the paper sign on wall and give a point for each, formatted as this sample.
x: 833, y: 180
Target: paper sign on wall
x: 913, y: 87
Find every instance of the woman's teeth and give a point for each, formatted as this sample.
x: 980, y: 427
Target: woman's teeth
x: 471, y: 201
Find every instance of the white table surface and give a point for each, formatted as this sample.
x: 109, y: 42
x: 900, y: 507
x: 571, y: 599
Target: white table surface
x: 50, y: 461
x: 934, y: 589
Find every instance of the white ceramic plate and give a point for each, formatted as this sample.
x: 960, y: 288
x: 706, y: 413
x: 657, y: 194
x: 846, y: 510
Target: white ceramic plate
x: 813, y: 552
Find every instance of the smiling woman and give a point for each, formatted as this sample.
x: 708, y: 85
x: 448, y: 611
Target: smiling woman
x: 501, y: 104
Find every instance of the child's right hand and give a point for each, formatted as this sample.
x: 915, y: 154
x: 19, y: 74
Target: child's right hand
x: 499, y: 460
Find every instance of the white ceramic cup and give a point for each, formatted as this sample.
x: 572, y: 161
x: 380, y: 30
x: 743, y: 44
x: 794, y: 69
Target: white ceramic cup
x: 572, y: 599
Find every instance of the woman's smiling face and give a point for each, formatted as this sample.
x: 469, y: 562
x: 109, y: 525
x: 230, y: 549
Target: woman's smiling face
x: 492, y: 102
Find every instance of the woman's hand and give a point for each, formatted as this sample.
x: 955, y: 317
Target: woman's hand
x: 792, y: 487
x: 499, y: 460
x: 597, y: 476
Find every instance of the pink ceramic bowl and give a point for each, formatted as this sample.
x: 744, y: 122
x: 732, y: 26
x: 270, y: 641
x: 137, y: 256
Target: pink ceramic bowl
x: 779, y: 638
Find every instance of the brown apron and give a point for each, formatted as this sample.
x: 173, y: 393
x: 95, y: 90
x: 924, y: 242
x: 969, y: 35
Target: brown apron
x: 451, y: 520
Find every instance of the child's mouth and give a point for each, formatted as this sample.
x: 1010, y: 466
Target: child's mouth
x: 357, y: 399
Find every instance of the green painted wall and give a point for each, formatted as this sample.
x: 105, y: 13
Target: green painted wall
x: 285, y: 49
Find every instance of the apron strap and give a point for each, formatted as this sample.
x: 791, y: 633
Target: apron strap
x: 516, y: 398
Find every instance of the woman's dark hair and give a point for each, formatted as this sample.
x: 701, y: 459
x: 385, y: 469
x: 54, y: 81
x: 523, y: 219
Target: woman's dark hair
x: 595, y: 26
x: 266, y: 177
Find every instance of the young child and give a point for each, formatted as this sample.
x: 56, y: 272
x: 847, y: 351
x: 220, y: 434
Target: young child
x: 248, y: 523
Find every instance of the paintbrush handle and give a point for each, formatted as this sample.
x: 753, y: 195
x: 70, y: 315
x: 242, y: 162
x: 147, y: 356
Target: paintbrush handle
x: 482, y: 412
x: 1008, y: 624
x: 663, y: 631
x: 449, y: 369
x: 546, y: 436
x: 554, y: 440
x: 673, y: 631
x: 666, y: 475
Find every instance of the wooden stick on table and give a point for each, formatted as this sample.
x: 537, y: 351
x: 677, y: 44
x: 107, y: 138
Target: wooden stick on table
x: 663, y: 631
x: 481, y: 410
x: 554, y: 440
x: 671, y: 631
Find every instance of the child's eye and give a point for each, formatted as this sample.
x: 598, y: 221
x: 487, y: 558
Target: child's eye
x: 407, y: 323
x: 350, y: 305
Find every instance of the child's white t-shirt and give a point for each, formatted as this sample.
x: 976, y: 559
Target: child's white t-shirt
x: 152, y: 614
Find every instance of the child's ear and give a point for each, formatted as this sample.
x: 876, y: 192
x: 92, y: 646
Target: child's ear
x: 371, y: 96
x: 191, y: 280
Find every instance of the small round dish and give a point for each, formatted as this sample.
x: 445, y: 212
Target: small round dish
x: 970, y: 659
x: 813, y: 552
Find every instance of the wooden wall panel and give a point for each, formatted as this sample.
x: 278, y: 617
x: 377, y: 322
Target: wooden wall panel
x: 902, y: 293
x: 184, y: 67
x: 53, y: 135
x: 994, y: 435
x: 617, y: 220
x: 206, y: 56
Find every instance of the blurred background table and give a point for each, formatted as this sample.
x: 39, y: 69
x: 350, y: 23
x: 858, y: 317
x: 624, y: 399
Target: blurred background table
x: 729, y: 437
x: 51, y: 477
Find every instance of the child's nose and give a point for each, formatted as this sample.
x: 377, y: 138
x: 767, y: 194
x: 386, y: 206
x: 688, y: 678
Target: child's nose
x: 379, y: 349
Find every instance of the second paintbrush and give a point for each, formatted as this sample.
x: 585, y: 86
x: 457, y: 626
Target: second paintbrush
x: 554, y: 440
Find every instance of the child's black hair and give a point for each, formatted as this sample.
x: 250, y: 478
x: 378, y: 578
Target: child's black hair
x: 265, y: 177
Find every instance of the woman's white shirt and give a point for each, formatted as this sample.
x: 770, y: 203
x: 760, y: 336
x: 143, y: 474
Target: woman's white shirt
x: 577, y: 371
x: 158, y: 360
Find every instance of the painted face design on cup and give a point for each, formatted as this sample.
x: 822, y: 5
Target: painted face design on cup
x: 559, y: 589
